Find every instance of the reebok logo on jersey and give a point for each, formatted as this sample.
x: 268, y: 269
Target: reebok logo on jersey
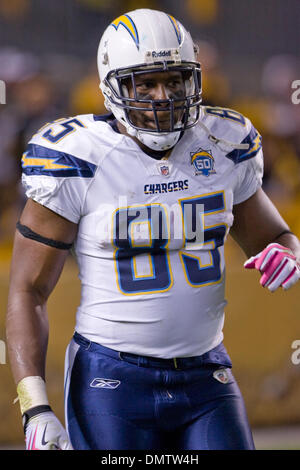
x: 105, y: 383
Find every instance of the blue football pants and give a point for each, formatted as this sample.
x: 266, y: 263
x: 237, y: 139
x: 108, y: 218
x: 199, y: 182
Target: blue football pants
x: 121, y: 401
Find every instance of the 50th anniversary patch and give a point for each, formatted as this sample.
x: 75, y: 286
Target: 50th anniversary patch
x: 203, y: 162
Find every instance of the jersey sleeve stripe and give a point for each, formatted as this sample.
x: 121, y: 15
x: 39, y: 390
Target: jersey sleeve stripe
x: 255, y: 145
x: 39, y: 160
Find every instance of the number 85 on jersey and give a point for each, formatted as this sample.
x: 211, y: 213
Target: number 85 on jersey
x: 143, y: 232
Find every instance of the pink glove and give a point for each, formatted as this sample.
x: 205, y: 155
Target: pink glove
x: 278, y: 266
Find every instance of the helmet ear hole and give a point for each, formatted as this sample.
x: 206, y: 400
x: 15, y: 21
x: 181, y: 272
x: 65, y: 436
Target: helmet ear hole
x: 125, y: 91
x: 189, y: 83
x: 189, y: 87
x: 124, y: 87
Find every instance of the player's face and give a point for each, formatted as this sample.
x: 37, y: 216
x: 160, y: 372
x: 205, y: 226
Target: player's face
x: 157, y: 86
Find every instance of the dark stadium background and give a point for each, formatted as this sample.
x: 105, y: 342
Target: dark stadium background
x: 249, y: 52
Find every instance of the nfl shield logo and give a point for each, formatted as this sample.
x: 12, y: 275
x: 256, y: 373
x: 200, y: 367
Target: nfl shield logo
x: 164, y: 170
x: 221, y: 375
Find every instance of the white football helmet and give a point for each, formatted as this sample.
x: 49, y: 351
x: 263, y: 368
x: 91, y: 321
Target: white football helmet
x: 146, y: 41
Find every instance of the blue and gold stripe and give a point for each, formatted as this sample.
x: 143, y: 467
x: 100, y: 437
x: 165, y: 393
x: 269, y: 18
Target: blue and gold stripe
x: 176, y: 27
x: 39, y: 160
x: 128, y: 24
x: 255, y: 145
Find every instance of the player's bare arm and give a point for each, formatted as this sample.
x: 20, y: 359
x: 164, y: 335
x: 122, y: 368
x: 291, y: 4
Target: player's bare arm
x: 35, y: 270
x: 264, y: 236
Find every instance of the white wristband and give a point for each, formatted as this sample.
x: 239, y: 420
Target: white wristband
x: 32, y: 392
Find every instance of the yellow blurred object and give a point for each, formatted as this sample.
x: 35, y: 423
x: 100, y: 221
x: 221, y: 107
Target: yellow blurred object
x: 96, y: 4
x: 287, y: 167
x: 253, y: 108
x: 216, y: 88
x: 291, y: 212
x: 134, y: 4
x: 6, y: 248
x: 14, y: 9
x: 203, y: 11
x: 118, y: 5
x: 86, y: 96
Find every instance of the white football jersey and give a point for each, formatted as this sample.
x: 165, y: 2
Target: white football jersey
x: 150, y: 244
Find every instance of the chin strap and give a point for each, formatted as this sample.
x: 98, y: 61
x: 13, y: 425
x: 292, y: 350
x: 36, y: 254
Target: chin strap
x: 167, y: 141
x: 159, y: 142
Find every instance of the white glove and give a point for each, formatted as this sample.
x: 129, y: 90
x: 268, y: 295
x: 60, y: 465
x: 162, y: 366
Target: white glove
x: 44, y: 431
x: 278, y: 266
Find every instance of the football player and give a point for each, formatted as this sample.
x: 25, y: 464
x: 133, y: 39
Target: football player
x: 146, y: 196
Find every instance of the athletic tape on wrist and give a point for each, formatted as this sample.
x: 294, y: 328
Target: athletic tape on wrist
x: 32, y: 392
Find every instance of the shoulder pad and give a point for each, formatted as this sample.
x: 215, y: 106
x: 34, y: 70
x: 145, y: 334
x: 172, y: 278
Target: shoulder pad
x: 60, y: 148
x: 225, y: 113
x: 56, y: 131
x: 232, y: 126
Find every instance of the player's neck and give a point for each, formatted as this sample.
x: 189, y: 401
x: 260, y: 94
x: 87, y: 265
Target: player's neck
x: 153, y: 153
